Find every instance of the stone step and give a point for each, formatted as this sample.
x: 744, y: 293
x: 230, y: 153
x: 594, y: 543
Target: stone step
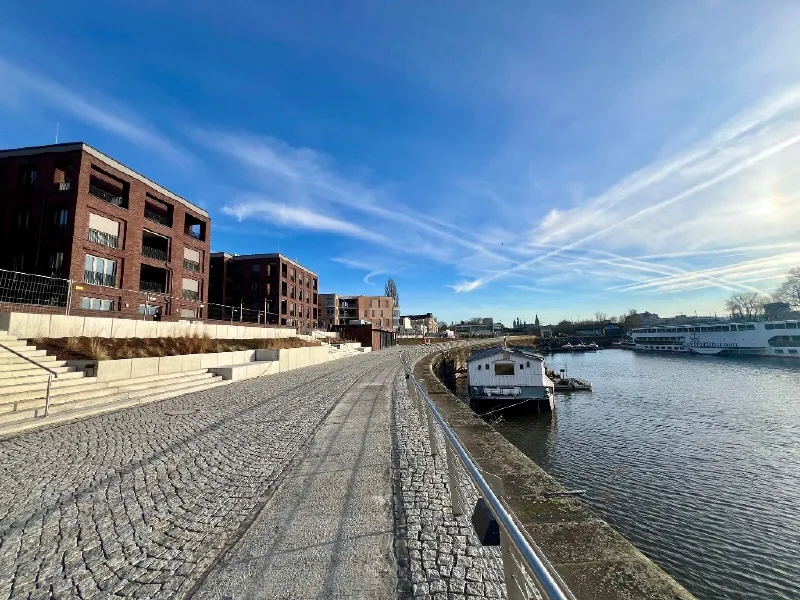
x: 40, y: 356
x: 33, y: 398
x: 216, y: 382
x: 142, y: 389
x: 62, y: 382
x: 4, y: 337
x: 14, y: 344
x: 26, y: 350
x: 163, y: 377
x: 22, y: 373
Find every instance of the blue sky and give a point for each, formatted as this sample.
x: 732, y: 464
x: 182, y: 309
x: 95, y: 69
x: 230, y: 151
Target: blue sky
x: 496, y: 158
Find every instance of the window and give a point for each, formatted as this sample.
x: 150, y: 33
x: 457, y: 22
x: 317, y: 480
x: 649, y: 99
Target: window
x: 27, y: 176
x: 503, y: 368
x: 254, y: 287
x: 99, y: 271
x: 23, y: 219
x: 56, y: 262
x: 365, y: 312
x: 751, y: 328
x: 487, y: 367
x: 146, y: 309
x: 60, y: 216
x: 791, y: 326
x: 521, y: 366
x: 97, y: 304
x: 479, y: 367
x: 780, y: 325
x: 741, y: 327
x: 373, y: 313
x: 778, y: 351
x: 269, y: 269
x: 529, y: 364
x: 769, y: 326
x: 255, y: 268
x: 792, y: 351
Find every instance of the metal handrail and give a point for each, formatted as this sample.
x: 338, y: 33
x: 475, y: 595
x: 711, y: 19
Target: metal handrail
x: 50, y: 375
x: 544, y: 579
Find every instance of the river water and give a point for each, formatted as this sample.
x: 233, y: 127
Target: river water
x: 696, y: 460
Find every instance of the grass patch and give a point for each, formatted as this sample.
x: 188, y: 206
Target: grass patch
x: 97, y: 348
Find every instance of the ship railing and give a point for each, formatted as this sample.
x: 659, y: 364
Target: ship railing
x: 524, y: 564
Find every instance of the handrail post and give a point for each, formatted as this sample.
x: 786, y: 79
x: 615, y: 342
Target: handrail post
x: 452, y: 474
x: 431, y: 432
x: 47, y: 397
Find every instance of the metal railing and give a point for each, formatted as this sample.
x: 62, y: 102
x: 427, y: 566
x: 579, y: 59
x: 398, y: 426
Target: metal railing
x: 105, y: 196
x: 154, y: 253
x: 96, y: 278
x: 50, y: 375
x: 151, y: 286
x: 35, y: 292
x: 103, y: 238
x: 520, y: 555
x: 153, y: 216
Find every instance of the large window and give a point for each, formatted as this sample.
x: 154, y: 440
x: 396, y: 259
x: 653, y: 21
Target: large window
x: 96, y: 304
x: 99, y: 271
x: 503, y: 368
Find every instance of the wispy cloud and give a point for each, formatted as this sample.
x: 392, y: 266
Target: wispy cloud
x: 22, y: 86
x: 372, y: 269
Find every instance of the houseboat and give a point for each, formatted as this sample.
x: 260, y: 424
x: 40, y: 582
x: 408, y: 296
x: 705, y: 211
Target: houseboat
x: 504, y: 379
x: 749, y: 338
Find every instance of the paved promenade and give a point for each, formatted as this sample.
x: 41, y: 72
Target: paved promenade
x: 315, y: 483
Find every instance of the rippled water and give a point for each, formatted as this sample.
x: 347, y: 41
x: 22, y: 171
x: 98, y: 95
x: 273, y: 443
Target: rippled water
x: 696, y: 460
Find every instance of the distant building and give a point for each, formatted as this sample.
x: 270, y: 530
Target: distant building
x: 613, y: 330
x: 479, y: 328
x: 285, y: 291
x: 418, y: 324
x: 648, y: 319
x: 335, y: 309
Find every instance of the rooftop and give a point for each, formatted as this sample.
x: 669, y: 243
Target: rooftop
x: 73, y: 146
x: 263, y: 256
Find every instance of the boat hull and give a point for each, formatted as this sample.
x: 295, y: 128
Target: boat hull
x: 511, y: 399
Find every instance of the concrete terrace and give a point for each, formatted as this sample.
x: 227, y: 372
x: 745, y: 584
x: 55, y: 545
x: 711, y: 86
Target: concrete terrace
x: 316, y: 483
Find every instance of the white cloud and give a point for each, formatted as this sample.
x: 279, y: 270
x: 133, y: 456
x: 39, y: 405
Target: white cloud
x: 21, y: 86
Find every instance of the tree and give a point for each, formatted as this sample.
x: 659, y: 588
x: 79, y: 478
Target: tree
x: 633, y: 320
x: 789, y: 290
x: 600, y: 317
x: 744, y: 305
x: 391, y: 291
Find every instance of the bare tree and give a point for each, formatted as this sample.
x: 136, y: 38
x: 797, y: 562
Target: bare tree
x: 789, y: 290
x: 391, y: 291
x: 600, y: 316
x: 745, y: 305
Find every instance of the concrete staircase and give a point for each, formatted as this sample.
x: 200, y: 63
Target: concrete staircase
x: 23, y: 388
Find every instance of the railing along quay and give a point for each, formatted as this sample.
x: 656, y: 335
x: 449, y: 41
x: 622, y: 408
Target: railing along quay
x: 520, y: 555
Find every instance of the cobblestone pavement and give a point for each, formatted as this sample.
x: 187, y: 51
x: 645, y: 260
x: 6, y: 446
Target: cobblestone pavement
x: 144, y: 502
x: 438, y: 555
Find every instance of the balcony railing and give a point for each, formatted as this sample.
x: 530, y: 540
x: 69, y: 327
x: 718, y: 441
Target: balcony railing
x: 151, y: 286
x: 64, y: 186
x: 95, y: 278
x: 190, y: 295
x: 192, y: 233
x: 105, y: 196
x: 103, y: 238
x: 190, y: 265
x: 155, y: 217
x: 154, y: 253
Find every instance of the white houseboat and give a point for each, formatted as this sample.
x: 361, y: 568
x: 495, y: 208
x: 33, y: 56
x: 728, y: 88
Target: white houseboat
x: 750, y: 338
x: 501, y: 379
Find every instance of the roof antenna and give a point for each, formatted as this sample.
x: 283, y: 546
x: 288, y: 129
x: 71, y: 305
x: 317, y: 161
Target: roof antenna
x: 56, y: 132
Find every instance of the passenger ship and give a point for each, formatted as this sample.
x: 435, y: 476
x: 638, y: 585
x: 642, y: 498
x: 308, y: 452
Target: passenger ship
x: 751, y: 338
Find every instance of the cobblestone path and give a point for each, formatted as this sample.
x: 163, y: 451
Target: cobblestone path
x: 148, y: 502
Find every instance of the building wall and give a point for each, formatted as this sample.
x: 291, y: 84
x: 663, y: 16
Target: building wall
x: 80, y: 167
x: 271, y: 282
x: 527, y: 371
x: 378, y: 310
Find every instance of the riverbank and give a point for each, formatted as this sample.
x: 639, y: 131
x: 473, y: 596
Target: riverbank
x: 593, y: 559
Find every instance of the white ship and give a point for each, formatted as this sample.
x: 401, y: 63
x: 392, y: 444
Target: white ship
x: 750, y: 338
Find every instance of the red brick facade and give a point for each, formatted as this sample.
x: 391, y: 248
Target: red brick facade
x: 266, y: 283
x: 50, y: 214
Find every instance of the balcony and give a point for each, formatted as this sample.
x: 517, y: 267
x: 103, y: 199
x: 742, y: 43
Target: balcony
x: 154, y: 253
x: 190, y: 295
x: 190, y: 265
x: 151, y: 286
x: 95, y: 278
x: 153, y: 216
x: 102, y: 238
x: 105, y: 196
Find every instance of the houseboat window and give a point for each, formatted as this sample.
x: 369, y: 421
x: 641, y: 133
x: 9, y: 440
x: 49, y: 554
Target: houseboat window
x: 769, y: 326
x: 479, y: 367
x: 791, y: 326
x: 503, y: 368
x: 521, y: 366
x: 780, y: 325
x: 487, y: 367
x: 529, y: 363
x: 792, y: 351
x: 751, y: 328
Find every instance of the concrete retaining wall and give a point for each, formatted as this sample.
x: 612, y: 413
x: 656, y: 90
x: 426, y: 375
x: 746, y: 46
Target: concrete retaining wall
x: 295, y: 358
x: 30, y: 325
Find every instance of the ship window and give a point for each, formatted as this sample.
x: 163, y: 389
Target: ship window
x: 751, y: 328
x: 742, y: 327
x: 769, y: 326
x: 780, y: 325
x: 791, y: 326
x: 792, y: 351
x: 503, y: 368
x: 778, y: 351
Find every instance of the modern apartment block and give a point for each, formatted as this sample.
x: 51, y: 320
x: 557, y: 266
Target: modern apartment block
x: 342, y: 310
x: 129, y: 245
x: 418, y: 324
x: 267, y: 283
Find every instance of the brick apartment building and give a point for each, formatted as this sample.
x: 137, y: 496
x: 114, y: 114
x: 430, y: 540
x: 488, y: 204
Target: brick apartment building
x: 267, y: 283
x: 341, y: 310
x: 129, y: 245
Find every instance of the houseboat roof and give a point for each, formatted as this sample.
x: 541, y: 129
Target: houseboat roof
x: 485, y: 352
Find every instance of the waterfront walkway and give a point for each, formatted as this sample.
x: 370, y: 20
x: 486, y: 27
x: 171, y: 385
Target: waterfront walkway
x: 316, y: 483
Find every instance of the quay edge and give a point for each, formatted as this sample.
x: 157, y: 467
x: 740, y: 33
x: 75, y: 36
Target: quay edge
x: 593, y: 559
